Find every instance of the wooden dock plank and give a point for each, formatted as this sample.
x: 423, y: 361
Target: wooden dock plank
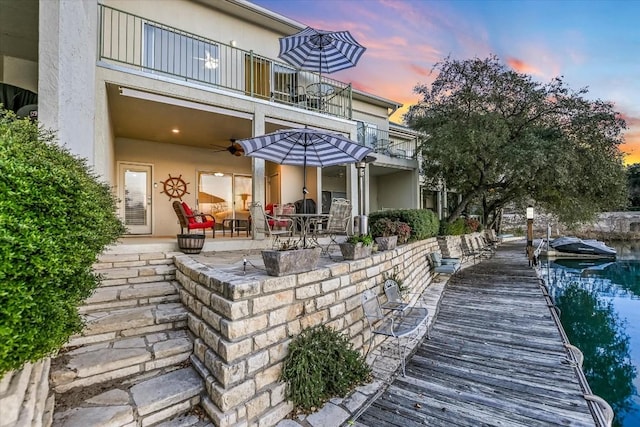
x: 495, y: 358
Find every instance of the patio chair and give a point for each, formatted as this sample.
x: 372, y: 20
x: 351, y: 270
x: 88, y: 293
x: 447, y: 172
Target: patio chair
x: 468, y: 252
x: 337, y: 222
x: 190, y: 221
x: 444, y: 265
x: 396, y: 325
x: 269, y: 225
x: 396, y: 301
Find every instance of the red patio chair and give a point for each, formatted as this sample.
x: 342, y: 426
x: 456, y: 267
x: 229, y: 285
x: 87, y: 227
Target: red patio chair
x: 192, y: 221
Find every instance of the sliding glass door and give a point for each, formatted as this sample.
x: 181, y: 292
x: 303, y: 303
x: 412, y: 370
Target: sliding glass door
x: 224, y: 195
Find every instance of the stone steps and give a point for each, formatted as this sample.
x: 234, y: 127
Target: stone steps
x: 147, y: 399
x: 121, y: 357
x: 129, y: 367
x: 130, y: 295
x: 110, y: 324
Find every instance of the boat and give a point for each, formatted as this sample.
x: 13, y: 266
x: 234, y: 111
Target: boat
x: 580, y: 264
x: 575, y: 245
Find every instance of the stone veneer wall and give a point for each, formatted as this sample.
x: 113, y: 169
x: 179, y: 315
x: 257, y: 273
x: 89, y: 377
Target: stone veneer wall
x: 23, y: 396
x: 243, y: 325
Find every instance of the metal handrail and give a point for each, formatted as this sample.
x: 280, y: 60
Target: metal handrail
x: 133, y: 41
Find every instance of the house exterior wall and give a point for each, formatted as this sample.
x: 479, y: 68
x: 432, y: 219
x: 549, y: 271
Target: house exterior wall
x: 174, y: 160
x: 74, y: 97
x: 392, y: 191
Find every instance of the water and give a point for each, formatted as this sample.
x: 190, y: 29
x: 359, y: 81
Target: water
x: 600, y: 312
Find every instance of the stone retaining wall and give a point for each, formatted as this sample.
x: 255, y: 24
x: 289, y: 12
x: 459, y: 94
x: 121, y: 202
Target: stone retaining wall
x: 242, y: 326
x: 23, y: 396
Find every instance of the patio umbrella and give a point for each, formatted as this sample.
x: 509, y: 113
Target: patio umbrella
x: 304, y: 147
x: 321, y: 51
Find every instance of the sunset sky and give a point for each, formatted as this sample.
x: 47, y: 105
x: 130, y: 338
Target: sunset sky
x: 593, y: 44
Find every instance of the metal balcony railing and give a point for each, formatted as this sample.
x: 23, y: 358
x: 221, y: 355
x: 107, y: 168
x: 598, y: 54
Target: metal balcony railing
x: 133, y: 41
x: 382, y: 143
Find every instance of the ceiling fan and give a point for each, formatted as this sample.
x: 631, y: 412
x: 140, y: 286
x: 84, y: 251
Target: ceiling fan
x: 234, y: 148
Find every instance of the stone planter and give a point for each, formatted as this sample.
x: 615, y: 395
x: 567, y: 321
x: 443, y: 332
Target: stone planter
x: 355, y: 251
x: 282, y: 263
x: 191, y: 243
x: 387, y: 243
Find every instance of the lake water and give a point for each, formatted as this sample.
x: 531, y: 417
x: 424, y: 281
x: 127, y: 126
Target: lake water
x: 600, y: 312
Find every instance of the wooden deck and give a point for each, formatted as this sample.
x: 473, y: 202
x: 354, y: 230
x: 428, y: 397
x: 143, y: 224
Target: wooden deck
x: 495, y: 358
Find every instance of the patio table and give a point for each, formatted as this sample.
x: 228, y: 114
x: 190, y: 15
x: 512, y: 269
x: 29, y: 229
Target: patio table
x: 305, y: 221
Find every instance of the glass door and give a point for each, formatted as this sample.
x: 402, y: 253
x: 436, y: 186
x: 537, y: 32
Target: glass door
x: 134, y: 193
x: 224, y: 195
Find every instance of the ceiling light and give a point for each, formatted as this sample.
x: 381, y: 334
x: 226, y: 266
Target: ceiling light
x: 218, y: 174
x: 175, y: 130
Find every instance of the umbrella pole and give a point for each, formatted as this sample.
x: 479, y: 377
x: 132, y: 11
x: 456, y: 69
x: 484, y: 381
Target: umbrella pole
x: 304, y: 195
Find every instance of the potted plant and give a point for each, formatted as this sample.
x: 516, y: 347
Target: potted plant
x: 357, y: 246
x: 388, y: 233
x: 288, y: 258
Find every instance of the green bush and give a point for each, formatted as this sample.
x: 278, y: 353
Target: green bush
x: 455, y: 228
x: 423, y: 222
x: 55, y: 217
x: 321, y: 364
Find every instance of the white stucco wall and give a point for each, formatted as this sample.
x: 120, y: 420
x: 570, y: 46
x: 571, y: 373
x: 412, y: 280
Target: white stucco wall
x: 391, y: 191
x: 66, y: 68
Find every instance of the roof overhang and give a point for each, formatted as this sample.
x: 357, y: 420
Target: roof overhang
x: 258, y: 15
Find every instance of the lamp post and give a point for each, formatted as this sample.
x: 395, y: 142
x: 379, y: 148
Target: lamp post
x: 362, y: 218
x: 530, y: 234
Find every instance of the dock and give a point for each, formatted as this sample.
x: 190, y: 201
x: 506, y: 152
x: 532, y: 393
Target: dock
x: 496, y: 357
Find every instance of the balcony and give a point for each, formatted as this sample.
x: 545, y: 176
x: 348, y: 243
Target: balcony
x: 145, y: 45
x: 383, y: 143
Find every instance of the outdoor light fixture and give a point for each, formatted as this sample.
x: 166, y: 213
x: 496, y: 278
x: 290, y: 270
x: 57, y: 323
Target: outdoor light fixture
x: 530, y: 212
x: 530, y: 251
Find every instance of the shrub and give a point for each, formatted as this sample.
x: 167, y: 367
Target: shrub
x: 423, y: 222
x: 55, y: 217
x: 385, y: 227
x: 321, y: 364
x: 365, y: 239
x: 472, y: 225
x: 455, y: 228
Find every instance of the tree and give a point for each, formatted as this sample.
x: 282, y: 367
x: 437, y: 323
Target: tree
x: 497, y: 137
x: 55, y: 218
x: 633, y: 182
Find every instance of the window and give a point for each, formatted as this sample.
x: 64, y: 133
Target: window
x: 180, y: 55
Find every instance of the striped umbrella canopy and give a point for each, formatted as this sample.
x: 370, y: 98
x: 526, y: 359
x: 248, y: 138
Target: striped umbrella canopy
x: 321, y: 51
x: 304, y: 147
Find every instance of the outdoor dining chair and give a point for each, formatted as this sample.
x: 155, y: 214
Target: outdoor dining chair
x: 395, y: 325
x: 266, y: 224
x: 337, y: 223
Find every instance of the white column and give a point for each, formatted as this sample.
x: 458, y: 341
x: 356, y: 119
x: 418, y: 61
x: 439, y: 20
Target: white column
x: 66, y: 72
x: 258, y: 170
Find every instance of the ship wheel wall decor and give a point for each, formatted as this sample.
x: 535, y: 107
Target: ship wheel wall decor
x: 175, y: 187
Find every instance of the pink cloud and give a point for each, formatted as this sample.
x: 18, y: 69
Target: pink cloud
x: 421, y: 71
x: 522, y: 67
